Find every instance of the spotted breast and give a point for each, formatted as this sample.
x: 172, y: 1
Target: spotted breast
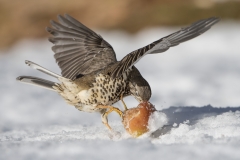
x: 89, y: 91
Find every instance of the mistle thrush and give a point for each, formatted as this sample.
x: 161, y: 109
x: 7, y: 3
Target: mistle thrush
x: 92, y: 79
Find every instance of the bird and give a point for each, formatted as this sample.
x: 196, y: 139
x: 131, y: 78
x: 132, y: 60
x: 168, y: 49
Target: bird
x: 92, y: 79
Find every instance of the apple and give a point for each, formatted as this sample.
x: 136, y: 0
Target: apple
x: 135, y: 120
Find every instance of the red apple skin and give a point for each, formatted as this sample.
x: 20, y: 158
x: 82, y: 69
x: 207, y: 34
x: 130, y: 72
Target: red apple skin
x: 135, y: 120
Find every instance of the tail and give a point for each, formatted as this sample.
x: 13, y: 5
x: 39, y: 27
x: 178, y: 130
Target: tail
x: 41, y: 69
x: 39, y: 81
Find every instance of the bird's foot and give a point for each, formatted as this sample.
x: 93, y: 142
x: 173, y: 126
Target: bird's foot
x: 110, y: 109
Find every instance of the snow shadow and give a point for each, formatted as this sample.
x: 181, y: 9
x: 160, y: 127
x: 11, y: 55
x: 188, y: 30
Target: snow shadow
x: 190, y: 115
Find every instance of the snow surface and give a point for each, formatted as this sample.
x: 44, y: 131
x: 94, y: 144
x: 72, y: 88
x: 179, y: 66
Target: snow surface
x: 38, y: 124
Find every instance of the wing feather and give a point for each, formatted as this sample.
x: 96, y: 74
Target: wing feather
x: 164, y: 44
x: 78, y: 50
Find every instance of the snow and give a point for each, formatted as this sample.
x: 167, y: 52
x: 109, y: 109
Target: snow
x: 156, y: 120
x: 38, y: 124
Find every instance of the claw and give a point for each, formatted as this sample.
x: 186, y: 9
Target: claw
x: 104, y: 115
x: 105, y: 120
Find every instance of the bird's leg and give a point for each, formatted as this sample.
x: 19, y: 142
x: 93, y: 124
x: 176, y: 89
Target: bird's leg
x: 104, y: 115
x: 105, y: 119
x: 124, y: 104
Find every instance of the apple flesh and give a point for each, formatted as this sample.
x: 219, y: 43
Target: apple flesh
x: 135, y: 120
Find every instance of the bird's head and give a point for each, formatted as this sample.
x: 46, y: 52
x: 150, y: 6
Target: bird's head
x: 139, y: 87
x: 140, y: 93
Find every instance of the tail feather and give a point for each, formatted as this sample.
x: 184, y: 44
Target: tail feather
x: 42, y: 69
x: 38, y: 82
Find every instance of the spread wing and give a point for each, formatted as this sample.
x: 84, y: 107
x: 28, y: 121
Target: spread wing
x: 78, y: 50
x: 164, y: 44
